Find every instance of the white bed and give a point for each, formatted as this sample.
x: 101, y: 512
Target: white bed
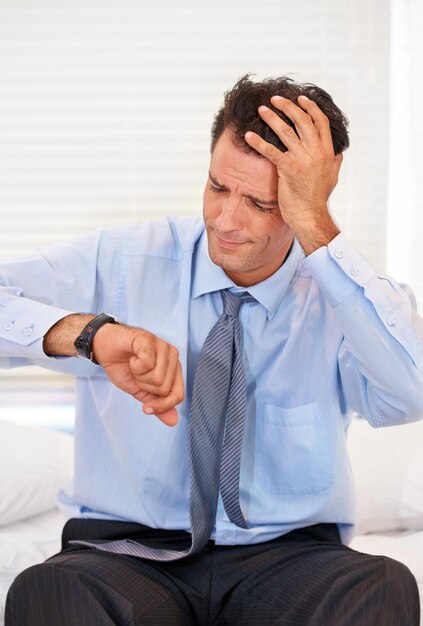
x: 25, y: 543
x: 387, y: 463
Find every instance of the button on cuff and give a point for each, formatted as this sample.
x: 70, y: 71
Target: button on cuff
x: 350, y: 261
x: 31, y: 320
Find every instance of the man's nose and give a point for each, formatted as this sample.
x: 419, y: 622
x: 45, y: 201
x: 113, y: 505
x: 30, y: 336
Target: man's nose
x: 230, y: 216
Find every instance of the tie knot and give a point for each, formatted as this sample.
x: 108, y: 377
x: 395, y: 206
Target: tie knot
x: 232, y: 302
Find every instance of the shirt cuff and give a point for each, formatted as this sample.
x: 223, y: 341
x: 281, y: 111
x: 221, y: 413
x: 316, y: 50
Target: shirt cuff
x: 338, y: 268
x: 24, y: 322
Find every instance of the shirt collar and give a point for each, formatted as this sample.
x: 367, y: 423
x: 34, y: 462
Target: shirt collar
x: 209, y: 277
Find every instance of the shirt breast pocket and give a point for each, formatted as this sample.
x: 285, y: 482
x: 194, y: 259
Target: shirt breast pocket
x: 293, y: 453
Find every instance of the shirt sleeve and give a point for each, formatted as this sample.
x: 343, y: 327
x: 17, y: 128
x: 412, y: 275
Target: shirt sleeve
x: 24, y: 322
x: 38, y: 290
x: 381, y: 356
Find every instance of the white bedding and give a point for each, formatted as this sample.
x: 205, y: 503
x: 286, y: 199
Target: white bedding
x: 25, y: 543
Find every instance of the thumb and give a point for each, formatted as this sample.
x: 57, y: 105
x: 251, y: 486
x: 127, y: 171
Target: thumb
x: 169, y: 417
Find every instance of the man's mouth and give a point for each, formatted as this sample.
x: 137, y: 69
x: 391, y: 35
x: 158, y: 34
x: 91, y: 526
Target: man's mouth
x: 229, y: 244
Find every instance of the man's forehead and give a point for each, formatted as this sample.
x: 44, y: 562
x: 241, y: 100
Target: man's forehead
x: 228, y: 161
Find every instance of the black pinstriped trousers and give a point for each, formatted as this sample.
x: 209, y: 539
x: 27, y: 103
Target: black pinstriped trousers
x: 304, y: 578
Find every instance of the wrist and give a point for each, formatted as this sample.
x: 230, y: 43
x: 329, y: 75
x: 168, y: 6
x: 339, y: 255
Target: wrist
x: 315, y: 231
x: 85, y: 340
x: 102, y: 341
x: 59, y: 339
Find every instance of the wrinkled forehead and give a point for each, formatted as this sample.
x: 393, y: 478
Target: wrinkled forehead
x: 230, y: 165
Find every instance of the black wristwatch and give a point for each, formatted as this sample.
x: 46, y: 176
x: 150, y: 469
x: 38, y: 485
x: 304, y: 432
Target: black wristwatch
x: 83, y: 343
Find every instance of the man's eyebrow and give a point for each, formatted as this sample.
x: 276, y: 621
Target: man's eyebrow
x: 216, y: 183
x: 272, y: 203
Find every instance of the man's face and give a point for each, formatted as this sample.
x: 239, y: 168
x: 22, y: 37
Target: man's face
x: 247, y: 236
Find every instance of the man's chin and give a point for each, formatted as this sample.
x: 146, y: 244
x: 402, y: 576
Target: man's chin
x: 228, y: 262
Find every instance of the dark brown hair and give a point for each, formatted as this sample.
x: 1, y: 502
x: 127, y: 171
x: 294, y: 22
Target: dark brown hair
x: 239, y: 111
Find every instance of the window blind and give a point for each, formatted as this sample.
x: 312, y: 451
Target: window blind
x: 106, y: 106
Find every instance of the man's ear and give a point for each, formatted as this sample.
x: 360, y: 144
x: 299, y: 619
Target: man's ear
x: 338, y: 162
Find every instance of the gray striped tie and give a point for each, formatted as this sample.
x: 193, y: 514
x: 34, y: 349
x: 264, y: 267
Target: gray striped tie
x: 215, y: 443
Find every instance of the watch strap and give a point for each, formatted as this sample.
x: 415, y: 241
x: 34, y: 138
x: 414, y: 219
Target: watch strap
x: 83, y: 343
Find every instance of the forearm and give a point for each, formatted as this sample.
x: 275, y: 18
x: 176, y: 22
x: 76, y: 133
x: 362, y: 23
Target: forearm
x: 52, y: 283
x: 59, y: 340
x: 315, y: 232
x: 381, y: 358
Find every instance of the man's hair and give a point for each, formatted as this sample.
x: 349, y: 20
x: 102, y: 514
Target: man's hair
x: 239, y: 113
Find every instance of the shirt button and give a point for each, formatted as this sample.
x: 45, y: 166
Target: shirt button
x: 9, y: 325
x: 226, y: 536
x: 339, y: 254
x: 390, y: 321
x: 28, y: 331
x: 354, y: 271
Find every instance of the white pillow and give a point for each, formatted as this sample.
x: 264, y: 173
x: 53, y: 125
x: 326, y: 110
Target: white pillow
x: 34, y: 465
x: 388, y: 470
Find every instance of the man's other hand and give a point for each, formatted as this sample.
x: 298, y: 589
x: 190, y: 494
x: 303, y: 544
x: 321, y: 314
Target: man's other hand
x: 142, y: 365
x: 307, y: 172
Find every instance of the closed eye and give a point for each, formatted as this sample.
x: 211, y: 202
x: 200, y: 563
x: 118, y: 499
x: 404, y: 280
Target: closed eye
x: 216, y: 189
x: 258, y: 207
x: 253, y: 203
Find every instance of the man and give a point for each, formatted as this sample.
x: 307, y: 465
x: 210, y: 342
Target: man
x: 241, y: 512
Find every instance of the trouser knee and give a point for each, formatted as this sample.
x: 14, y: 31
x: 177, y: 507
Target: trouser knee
x: 398, y: 575
x: 401, y: 590
x: 22, y: 596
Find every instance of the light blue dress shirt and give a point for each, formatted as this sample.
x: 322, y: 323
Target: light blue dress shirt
x: 326, y: 336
